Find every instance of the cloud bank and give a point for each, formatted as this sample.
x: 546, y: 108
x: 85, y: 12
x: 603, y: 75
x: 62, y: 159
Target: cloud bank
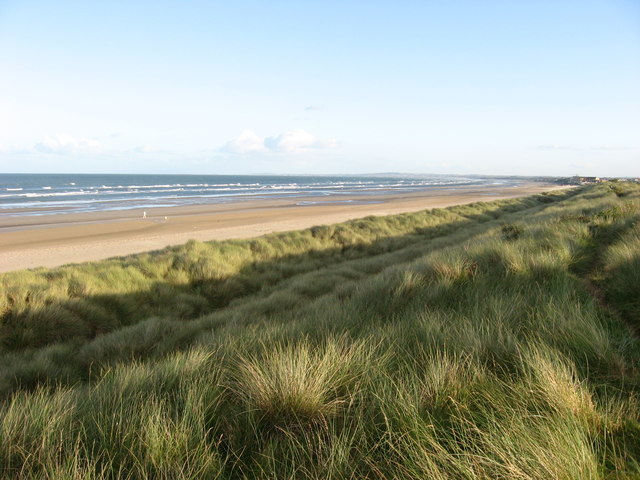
x: 63, y: 143
x: 293, y: 141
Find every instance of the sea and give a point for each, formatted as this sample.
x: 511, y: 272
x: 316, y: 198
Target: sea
x: 49, y: 194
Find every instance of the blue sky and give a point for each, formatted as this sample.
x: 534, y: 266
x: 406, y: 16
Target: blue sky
x: 535, y: 87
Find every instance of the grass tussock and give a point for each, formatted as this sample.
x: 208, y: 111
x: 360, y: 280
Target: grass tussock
x: 491, y: 340
x: 300, y: 384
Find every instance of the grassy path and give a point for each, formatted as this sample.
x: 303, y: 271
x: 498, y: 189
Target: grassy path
x: 606, y: 228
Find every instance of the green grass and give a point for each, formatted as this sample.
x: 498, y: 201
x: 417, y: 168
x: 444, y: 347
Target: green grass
x: 492, y: 340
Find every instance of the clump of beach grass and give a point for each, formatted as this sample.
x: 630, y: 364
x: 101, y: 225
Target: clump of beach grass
x: 302, y: 384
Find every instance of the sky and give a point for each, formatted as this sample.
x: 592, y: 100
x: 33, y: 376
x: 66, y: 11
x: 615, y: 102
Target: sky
x: 517, y: 87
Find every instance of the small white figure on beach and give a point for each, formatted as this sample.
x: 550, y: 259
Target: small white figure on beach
x: 165, y: 219
x: 144, y: 214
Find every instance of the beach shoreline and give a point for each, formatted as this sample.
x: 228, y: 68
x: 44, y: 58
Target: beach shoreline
x: 31, y: 241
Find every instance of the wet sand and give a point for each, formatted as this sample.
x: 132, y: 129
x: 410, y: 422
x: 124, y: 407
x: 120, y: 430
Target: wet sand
x: 52, y: 240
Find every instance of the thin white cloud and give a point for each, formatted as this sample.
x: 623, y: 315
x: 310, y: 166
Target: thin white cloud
x: 292, y: 141
x: 601, y: 148
x: 554, y: 147
x: 146, y: 149
x: 246, y: 142
x: 312, y: 108
x: 63, y: 143
x: 610, y: 148
x: 325, y: 143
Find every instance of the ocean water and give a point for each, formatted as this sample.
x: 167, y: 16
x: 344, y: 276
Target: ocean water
x: 47, y: 194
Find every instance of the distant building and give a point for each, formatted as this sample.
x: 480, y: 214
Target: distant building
x: 577, y: 180
x: 591, y: 180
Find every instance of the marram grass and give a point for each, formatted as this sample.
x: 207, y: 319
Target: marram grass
x: 493, y: 340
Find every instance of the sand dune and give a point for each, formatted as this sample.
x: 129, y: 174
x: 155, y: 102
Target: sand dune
x: 52, y: 240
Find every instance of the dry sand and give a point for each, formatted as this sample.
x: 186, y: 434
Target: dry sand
x: 52, y: 240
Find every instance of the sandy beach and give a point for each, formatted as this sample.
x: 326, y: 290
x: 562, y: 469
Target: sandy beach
x: 53, y: 240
